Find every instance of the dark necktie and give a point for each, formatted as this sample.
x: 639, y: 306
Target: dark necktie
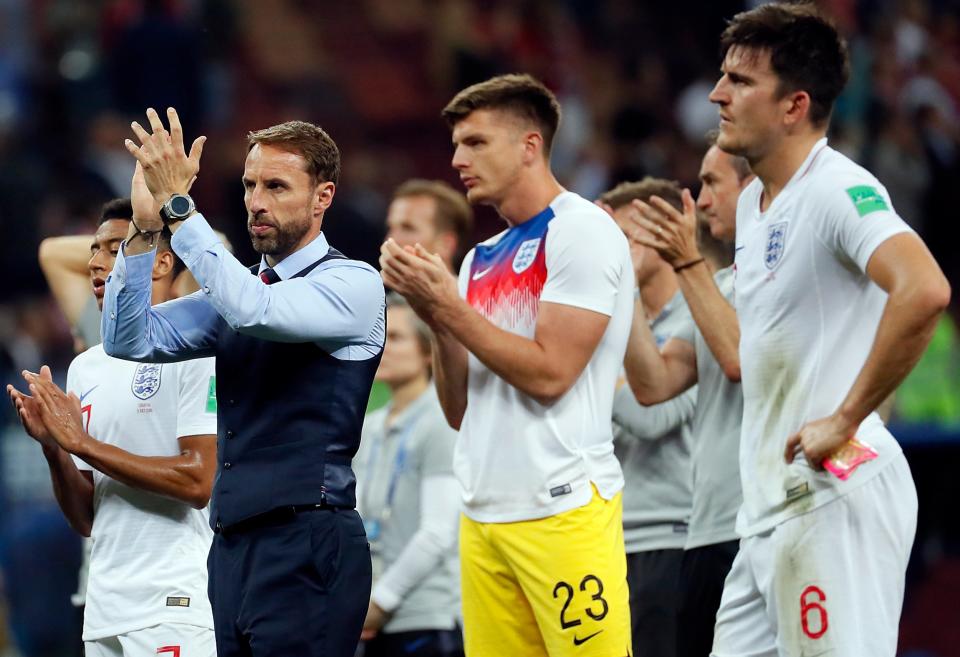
x: 269, y: 276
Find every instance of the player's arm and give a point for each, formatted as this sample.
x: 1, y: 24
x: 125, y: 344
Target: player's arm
x: 186, y: 477
x: 450, y: 375
x: 73, y: 489
x: 655, y: 376
x: 656, y: 421
x: 918, y: 293
x: 673, y: 235
x: 64, y: 264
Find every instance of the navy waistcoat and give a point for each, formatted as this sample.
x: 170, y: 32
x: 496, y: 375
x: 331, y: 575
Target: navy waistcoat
x: 288, y: 423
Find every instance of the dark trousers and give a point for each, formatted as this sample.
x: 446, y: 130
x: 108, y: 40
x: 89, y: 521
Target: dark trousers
x: 416, y: 643
x: 297, y: 585
x: 654, y: 581
x: 702, y: 575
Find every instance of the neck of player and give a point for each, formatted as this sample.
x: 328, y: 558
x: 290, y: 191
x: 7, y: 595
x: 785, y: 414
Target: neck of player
x: 777, y: 167
x: 529, y: 196
x: 404, y: 394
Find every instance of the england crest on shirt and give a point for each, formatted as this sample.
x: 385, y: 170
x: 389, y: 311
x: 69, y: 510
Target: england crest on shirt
x: 776, y: 240
x: 526, y: 254
x: 146, y: 380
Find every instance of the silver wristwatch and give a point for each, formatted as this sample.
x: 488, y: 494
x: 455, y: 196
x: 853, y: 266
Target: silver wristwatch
x: 177, y: 208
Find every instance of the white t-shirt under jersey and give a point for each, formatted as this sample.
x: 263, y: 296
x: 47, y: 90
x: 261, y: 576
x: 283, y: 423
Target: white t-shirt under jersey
x: 808, y: 316
x: 149, y: 560
x: 518, y: 459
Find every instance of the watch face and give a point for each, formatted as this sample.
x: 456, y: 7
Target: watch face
x: 179, y: 205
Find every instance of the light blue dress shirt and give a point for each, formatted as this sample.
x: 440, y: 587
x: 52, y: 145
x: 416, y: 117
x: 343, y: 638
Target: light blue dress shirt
x: 339, y: 305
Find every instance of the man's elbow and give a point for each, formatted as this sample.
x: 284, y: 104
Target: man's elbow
x: 198, y: 497
x: 548, y: 390
x: 935, y: 296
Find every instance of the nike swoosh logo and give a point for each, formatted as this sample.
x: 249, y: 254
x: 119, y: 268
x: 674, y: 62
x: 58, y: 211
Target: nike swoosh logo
x: 88, y: 392
x: 481, y: 274
x: 578, y: 641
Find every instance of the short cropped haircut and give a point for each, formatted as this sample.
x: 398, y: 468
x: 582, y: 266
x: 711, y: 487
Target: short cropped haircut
x: 518, y: 93
x: 307, y: 140
x: 122, y: 208
x: 625, y: 192
x: 806, y: 51
x: 453, y: 215
x: 738, y: 162
x: 118, y: 208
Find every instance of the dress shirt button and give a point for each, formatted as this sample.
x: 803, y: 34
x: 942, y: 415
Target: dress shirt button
x: 229, y: 434
x: 232, y: 402
x: 227, y: 465
x: 113, y: 315
x: 206, y: 289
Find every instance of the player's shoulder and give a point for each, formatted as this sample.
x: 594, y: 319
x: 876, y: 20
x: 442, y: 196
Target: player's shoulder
x: 839, y: 183
x: 579, y: 218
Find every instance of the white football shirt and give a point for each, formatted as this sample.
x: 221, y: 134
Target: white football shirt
x: 518, y: 459
x: 808, y: 316
x: 148, y: 563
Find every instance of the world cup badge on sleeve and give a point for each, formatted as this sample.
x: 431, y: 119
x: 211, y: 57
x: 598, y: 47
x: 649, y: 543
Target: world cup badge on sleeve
x: 526, y: 254
x: 146, y: 380
x: 776, y: 240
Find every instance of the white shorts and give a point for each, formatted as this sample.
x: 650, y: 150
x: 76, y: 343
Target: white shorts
x: 166, y: 640
x: 829, y: 582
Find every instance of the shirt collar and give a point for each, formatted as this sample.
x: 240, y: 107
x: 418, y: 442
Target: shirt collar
x: 299, y: 260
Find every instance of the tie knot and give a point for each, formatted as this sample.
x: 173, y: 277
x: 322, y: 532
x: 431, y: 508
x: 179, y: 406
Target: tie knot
x: 269, y: 276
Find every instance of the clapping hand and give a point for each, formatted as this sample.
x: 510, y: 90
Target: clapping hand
x: 53, y: 417
x: 420, y: 276
x: 672, y: 233
x: 29, y: 413
x: 167, y: 168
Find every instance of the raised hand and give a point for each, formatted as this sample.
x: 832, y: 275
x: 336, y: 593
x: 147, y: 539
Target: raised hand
x: 29, y: 413
x: 420, y: 276
x: 146, y: 210
x: 58, y: 411
x: 167, y: 168
x: 672, y: 233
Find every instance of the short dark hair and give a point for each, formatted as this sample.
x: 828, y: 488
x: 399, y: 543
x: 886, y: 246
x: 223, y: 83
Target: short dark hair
x: 118, y: 208
x: 453, y: 213
x: 625, y: 192
x: 517, y: 93
x: 738, y: 162
x: 806, y: 51
x: 122, y: 208
x: 307, y: 140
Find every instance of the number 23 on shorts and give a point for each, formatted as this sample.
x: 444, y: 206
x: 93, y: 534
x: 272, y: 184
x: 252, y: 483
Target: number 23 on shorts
x: 589, y: 599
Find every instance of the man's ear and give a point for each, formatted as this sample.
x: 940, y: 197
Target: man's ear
x: 532, y: 147
x: 162, y: 264
x: 322, y: 198
x: 797, y: 108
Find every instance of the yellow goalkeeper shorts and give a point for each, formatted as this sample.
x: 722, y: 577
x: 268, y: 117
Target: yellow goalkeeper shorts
x: 552, y: 587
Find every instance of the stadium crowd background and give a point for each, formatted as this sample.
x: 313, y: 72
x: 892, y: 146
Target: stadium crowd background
x: 632, y: 77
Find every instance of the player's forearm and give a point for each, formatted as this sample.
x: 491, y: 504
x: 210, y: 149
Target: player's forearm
x: 72, y: 490
x: 521, y: 362
x: 64, y: 264
x: 643, y: 363
x: 715, y: 317
x: 450, y: 376
x: 906, y: 327
x: 184, y: 478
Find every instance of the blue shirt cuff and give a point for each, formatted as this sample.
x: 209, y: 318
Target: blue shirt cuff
x: 193, y: 238
x: 134, y: 269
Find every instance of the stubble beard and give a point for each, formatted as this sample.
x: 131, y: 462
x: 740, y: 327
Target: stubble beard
x: 282, y: 241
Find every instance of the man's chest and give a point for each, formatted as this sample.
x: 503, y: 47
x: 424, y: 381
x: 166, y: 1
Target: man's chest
x: 506, y: 281
x: 126, y: 399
